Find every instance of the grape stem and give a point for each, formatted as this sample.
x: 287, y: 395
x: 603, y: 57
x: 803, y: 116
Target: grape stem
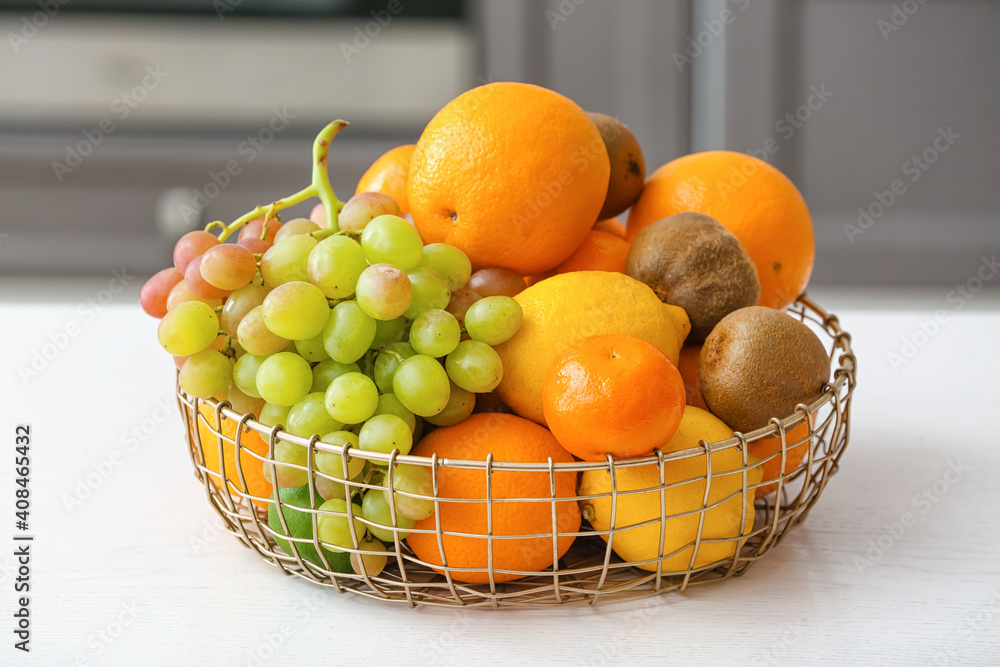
x: 392, y: 353
x: 320, y: 187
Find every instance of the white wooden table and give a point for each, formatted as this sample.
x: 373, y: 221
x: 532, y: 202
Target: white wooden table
x: 129, y: 566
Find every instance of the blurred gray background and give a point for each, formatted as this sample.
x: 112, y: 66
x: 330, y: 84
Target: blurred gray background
x: 119, y: 118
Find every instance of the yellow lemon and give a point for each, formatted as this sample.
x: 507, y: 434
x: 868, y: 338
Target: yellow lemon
x: 729, y: 505
x: 561, y: 311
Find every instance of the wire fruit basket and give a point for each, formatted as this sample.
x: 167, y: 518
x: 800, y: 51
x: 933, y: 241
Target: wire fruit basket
x: 590, y: 571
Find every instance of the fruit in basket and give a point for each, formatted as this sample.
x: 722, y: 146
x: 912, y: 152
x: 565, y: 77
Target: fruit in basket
x: 692, y: 261
x: 496, y: 282
x: 628, y: 165
x: 611, y: 226
x: 300, y: 526
x: 561, y: 311
x: 753, y: 200
x: 389, y: 174
x: 768, y: 450
x: 509, y: 439
x: 154, y: 293
x: 637, y: 518
x: 600, y: 251
x: 688, y: 366
x: 759, y: 363
x: 250, y: 465
x: 188, y: 328
x: 513, y: 174
x: 615, y: 395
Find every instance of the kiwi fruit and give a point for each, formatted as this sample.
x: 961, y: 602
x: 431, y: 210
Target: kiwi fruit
x: 692, y: 261
x: 628, y: 166
x: 759, y: 363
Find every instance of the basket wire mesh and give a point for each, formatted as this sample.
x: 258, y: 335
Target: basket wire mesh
x: 590, y: 570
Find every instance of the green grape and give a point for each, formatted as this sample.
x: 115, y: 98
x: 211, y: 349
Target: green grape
x: 290, y: 463
x: 329, y: 489
x: 332, y: 464
x: 494, y: 319
x: 255, y: 337
x: 312, y: 349
x: 296, y: 310
x: 421, y: 384
x: 245, y: 373
x: 384, y: 433
x: 239, y: 303
x: 243, y: 403
x: 386, y: 364
x: 461, y: 403
x: 451, y: 263
x: 415, y: 480
x: 348, y: 333
x: 388, y: 404
x: 336, y: 530
x: 294, y: 228
x: 383, y: 291
x: 388, y: 331
x: 309, y: 417
x: 375, y: 509
x: 286, y: 261
x: 274, y: 415
x: 206, y: 374
x: 335, y: 265
x: 475, y: 367
x: 188, y: 328
x: 389, y: 239
x: 430, y: 291
x: 371, y: 560
x: 435, y: 333
x: 284, y: 378
x: 352, y: 398
x: 325, y: 371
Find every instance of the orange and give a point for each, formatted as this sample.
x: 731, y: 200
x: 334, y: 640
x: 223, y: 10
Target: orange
x: 600, y: 251
x: 513, y: 174
x: 753, y: 200
x: 252, y: 467
x: 688, y: 366
x: 794, y: 453
x: 611, y: 225
x: 510, y: 439
x: 613, y: 394
x: 389, y: 174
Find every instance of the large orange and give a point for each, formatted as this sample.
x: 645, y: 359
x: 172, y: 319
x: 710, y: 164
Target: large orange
x: 600, y: 251
x: 252, y: 467
x: 688, y: 366
x: 753, y: 200
x: 389, y: 174
x: 613, y: 394
x: 511, y: 439
x: 612, y: 225
x: 513, y: 174
x: 794, y: 453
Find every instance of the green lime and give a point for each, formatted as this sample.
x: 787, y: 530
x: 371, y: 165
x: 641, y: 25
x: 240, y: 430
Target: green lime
x: 300, y: 525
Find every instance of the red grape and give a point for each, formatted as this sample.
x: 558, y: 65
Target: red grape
x: 253, y: 229
x: 228, y: 266
x: 197, y: 283
x: 190, y: 246
x: 497, y: 282
x: 153, y: 296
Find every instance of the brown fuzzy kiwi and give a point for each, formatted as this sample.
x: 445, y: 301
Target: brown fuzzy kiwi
x: 759, y: 363
x: 628, y: 166
x: 692, y: 261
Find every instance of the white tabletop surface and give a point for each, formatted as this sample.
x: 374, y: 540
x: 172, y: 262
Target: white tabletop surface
x: 139, y: 574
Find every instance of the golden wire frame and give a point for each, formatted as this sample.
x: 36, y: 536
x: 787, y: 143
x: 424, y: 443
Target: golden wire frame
x: 590, y: 571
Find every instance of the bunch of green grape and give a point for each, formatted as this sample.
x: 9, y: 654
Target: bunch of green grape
x: 357, y: 335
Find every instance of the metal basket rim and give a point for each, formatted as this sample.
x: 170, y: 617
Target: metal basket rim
x: 845, y: 366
